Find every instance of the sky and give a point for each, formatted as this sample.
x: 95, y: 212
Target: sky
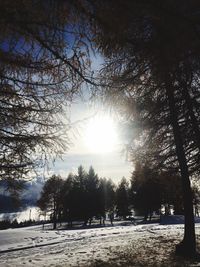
x: 96, y: 138
x: 96, y: 142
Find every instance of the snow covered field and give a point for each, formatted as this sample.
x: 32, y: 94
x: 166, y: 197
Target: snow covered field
x: 32, y: 246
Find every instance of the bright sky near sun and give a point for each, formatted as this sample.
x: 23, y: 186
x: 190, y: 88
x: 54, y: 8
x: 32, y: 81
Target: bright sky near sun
x: 100, y: 135
x: 97, y: 142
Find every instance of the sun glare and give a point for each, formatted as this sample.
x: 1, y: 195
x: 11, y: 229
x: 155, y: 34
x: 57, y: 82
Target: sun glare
x: 101, y: 135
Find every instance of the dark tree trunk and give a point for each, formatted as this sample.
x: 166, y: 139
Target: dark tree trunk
x: 54, y: 214
x: 54, y: 219
x: 54, y: 224
x: 188, y: 246
x: 145, y: 216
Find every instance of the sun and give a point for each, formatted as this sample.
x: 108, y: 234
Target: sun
x: 101, y: 134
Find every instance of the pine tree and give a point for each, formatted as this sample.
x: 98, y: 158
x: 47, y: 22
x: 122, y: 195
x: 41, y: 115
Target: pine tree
x: 67, y: 198
x: 107, y: 197
x: 122, y: 199
x: 152, y: 76
x: 51, y: 198
x: 146, y: 190
x: 92, y: 184
x: 43, y: 65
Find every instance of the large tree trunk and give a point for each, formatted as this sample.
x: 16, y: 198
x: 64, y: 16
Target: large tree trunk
x: 188, y: 246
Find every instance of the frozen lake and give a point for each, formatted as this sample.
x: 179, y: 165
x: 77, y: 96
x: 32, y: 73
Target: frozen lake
x: 30, y: 213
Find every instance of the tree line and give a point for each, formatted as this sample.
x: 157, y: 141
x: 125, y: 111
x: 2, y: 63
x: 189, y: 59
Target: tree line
x: 84, y: 196
x: 79, y: 197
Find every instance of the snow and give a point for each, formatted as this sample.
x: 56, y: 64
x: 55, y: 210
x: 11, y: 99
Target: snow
x: 31, y: 246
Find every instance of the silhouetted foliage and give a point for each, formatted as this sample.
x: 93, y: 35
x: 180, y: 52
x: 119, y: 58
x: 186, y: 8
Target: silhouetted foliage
x: 44, y: 61
x: 51, y: 198
x: 84, y: 196
x: 88, y: 196
x: 151, y: 188
x: 122, y: 199
x: 152, y: 76
x: 78, y: 204
x: 196, y: 198
x: 107, y: 193
x: 80, y: 197
x: 146, y: 190
x: 171, y: 190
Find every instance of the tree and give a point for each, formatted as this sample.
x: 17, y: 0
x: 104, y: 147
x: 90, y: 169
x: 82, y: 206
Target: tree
x: 84, y: 196
x: 107, y: 197
x: 151, y: 188
x: 78, y: 196
x: 122, y: 199
x: 146, y: 190
x: 43, y: 65
x: 51, y: 198
x: 92, y: 185
x: 67, y: 198
x: 171, y: 190
x: 152, y: 75
x: 196, y: 198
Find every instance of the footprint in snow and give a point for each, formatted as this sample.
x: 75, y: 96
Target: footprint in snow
x: 37, y: 259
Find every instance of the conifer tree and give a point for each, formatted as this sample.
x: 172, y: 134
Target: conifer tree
x: 44, y: 62
x: 152, y: 76
x: 51, y: 198
x: 122, y: 199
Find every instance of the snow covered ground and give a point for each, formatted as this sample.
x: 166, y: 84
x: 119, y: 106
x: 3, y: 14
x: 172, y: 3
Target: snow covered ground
x: 33, y: 246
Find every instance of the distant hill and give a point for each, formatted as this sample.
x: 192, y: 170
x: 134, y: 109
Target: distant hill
x: 29, y: 196
x: 7, y: 204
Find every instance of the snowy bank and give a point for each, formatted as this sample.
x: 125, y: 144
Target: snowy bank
x: 32, y: 246
x: 174, y: 219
